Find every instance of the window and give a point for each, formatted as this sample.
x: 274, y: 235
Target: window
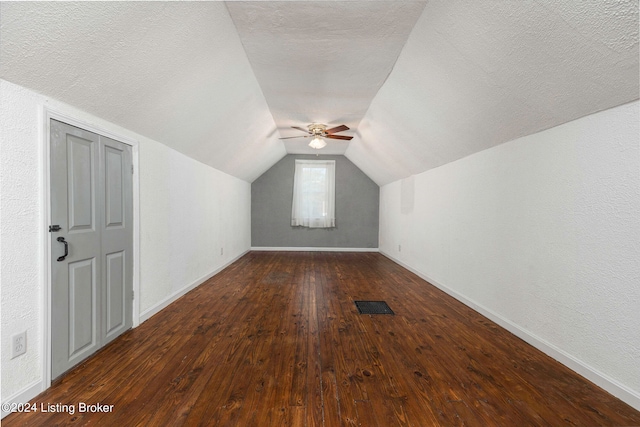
x: 314, y: 194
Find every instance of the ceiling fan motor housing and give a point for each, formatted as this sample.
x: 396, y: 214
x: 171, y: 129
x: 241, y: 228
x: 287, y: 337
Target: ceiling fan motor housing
x: 317, y: 129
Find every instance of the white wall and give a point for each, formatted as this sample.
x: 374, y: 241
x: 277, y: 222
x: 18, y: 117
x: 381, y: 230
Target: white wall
x: 188, y: 212
x: 542, y: 235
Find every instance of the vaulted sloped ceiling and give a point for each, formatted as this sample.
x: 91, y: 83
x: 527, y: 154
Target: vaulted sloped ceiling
x: 420, y: 84
x: 322, y: 62
x: 172, y: 71
x: 475, y: 74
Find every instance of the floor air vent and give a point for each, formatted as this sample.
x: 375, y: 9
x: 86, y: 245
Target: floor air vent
x: 373, y: 307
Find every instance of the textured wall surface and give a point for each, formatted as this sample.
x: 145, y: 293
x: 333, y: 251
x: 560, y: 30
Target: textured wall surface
x: 357, y: 201
x: 20, y: 235
x: 188, y: 213
x: 542, y: 231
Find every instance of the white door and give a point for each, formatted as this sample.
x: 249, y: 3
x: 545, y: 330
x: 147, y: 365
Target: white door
x: 92, y: 243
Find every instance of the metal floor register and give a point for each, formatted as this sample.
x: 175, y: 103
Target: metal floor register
x: 373, y: 307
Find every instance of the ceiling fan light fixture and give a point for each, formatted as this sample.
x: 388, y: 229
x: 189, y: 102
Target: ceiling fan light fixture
x: 317, y: 143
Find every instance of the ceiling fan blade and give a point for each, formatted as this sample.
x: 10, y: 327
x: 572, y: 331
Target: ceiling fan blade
x: 336, y: 129
x: 301, y: 136
x: 302, y: 129
x: 346, y: 138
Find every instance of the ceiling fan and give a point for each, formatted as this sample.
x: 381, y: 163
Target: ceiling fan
x: 318, y: 131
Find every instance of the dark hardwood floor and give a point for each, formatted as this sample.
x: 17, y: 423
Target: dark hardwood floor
x: 276, y: 340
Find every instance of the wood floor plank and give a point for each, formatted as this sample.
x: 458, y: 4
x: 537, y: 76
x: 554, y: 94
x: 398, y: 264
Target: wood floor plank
x: 314, y: 408
x: 275, y: 340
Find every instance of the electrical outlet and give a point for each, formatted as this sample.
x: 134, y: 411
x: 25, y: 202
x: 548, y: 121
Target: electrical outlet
x: 18, y: 344
x: 399, y: 248
x: 221, y: 251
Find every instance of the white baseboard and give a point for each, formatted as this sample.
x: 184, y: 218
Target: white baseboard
x: 619, y: 390
x: 23, y: 396
x: 312, y: 249
x: 148, y: 313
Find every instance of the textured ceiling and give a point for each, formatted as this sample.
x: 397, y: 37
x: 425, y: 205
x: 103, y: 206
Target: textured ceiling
x: 173, y: 71
x: 322, y: 62
x: 208, y: 78
x: 476, y: 74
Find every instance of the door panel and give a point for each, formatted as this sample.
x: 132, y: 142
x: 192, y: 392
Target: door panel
x: 115, y: 203
x: 117, y: 238
x: 82, y: 303
x: 81, y: 179
x: 116, y: 291
x: 74, y: 170
x: 91, y: 200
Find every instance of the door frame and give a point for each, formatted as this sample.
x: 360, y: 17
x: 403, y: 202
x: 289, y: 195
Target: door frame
x: 47, y: 114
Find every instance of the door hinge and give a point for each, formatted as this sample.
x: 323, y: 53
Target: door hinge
x: 131, y: 169
x: 54, y: 228
x: 133, y: 294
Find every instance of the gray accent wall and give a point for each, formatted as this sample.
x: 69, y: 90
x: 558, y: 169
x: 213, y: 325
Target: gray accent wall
x: 357, y: 208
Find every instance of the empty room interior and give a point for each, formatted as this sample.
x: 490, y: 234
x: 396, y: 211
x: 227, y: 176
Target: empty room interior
x: 307, y: 213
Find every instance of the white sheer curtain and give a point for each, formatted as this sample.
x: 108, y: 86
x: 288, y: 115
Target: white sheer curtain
x: 314, y: 194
